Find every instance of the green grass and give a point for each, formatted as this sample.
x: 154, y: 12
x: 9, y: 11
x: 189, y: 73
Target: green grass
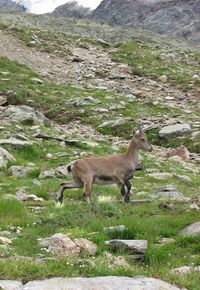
x: 75, y: 218
x: 146, y: 60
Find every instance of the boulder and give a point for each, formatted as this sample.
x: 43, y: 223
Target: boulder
x: 62, y: 246
x: 170, y: 192
x: 181, y: 151
x: 174, y: 130
x: 24, y: 113
x: 15, y: 143
x: 131, y: 246
x: 10, y: 285
x: 6, y: 155
x: 20, y: 171
x: 191, y: 230
x: 86, y: 245
x: 101, y: 283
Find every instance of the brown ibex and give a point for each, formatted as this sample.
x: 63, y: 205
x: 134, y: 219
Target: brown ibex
x: 112, y: 169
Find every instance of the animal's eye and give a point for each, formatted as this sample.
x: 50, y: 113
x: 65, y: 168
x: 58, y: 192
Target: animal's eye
x: 143, y: 140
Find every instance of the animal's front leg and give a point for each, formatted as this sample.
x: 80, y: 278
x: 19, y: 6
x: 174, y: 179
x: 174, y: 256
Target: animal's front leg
x: 127, y: 195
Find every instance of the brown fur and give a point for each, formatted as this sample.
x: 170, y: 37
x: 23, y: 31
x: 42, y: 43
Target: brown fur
x: 116, y: 169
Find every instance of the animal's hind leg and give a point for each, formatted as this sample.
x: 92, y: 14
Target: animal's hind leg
x: 63, y: 186
x: 87, y: 190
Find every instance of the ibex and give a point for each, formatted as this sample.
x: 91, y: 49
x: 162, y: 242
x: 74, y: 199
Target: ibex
x: 112, y: 169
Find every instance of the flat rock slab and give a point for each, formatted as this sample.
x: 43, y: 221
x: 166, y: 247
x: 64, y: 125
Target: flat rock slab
x: 174, y: 130
x: 132, y: 246
x: 191, y: 230
x: 15, y: 143
x: 100, y: 283
x: 10, y: 285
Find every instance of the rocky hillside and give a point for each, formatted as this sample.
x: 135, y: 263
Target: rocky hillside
x: 172, y: 17
x: 10, y: 6
x: 65, y: 94
x: 71, y: 9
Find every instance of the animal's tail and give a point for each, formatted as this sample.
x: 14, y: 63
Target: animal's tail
x: 69, y: 168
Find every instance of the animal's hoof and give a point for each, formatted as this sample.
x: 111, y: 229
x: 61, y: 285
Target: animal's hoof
x: 59, y: 204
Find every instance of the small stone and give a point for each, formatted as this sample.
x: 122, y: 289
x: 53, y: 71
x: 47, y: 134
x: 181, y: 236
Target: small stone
x: 43, y: 242
x: 186, y: 179
x: 113, y: 229
x: 5, y: 241
x: 161, y: 175
x: 38, y: 81
x: 47, y: 174
x: 163, y: 79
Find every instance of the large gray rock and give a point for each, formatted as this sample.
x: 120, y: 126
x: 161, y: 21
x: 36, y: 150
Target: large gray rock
x: 10, y: 285
x: 191, y: 230
x: 174, y: 130
x: 15, y: 143
x: 20, y: 171
x: 100, y: 283
x: 23, y: 113
x: 6, y: 155
x: 170, y: 192
x: 167, y: 17
x: 132, y: 246
x: 62, y: 246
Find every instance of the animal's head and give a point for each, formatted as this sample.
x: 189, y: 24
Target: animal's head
x: 141, y: 139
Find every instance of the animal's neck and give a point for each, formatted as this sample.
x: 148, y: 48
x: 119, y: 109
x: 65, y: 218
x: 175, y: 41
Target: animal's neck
x: 133, y: 148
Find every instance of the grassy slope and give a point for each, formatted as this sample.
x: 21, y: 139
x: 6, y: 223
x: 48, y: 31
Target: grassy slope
x: 143, y: 222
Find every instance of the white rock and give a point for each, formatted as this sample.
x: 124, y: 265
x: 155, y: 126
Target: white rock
x: 10, y: 285
x: 100, y: 283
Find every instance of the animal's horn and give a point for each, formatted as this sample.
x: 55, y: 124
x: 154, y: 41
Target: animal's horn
x: 140, y: 128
